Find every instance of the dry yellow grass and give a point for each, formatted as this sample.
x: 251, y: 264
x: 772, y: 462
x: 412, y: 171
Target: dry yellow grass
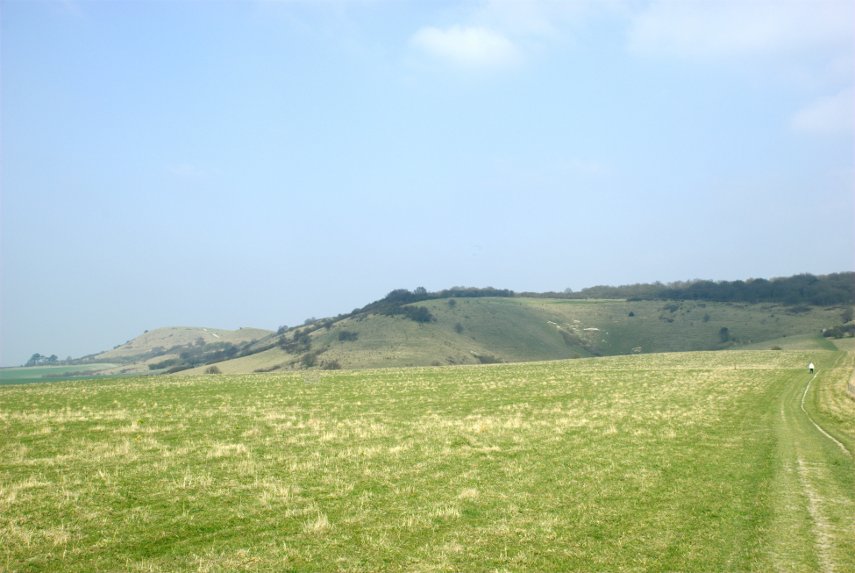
x: 626, y: 463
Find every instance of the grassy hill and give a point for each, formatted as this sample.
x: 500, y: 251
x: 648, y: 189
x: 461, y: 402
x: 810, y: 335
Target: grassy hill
x: 157, y: 350
x: 518, y: 329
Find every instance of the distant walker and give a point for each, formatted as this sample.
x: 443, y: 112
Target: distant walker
x: 810, y: 367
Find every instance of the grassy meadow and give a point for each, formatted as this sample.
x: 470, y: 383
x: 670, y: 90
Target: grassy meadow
x: 19, y: 375
x: 692, y: 462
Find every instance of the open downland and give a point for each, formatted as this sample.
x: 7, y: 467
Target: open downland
x: 690, y: 462
x: 30, y: 374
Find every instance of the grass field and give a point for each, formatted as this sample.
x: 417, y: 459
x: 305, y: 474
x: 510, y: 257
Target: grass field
x: 51, y: 373
x: 688, y: 462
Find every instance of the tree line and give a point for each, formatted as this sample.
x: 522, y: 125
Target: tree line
x: 397, y: 302
x: 39, y: 360
x: 820, y: 290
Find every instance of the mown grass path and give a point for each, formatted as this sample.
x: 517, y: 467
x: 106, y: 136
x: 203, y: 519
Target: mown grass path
x: 815, y: 482
x: 673, y: 462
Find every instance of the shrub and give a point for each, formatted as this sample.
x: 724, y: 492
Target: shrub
x: 212, y: 370
x: 347, y: 336
x: 418, y: 313
x: 308, y: 360
x: 302, y: 342
x: 164, y: 364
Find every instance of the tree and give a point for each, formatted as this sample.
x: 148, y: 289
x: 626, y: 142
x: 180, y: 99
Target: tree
x: 724, y: 334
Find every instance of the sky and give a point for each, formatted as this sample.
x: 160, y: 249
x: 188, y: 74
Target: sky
x: 255, y: 163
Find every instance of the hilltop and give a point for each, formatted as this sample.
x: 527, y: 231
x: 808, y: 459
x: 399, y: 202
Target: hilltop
x: 163, y: 348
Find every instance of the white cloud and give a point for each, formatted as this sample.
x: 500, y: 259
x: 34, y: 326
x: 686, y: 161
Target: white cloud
x: 829, y: 115
x: 468, y: 47
x: 740, y: 27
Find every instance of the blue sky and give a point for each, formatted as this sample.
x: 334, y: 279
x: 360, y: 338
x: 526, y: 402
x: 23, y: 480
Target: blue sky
x: 254, y: 163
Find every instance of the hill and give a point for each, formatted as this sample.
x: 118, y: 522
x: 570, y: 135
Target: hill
x: 464, y: 325
x: 163, y: 348
x: 472, y: 330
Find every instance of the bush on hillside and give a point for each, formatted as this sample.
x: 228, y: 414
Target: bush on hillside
x: 418, y: 313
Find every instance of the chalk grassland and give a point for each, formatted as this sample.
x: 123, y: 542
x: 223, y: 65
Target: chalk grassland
x: 472, y: 330
x: 170, y: 337
x: 689, y: 462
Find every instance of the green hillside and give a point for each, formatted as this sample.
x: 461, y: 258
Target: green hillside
x: 163, y: 348
x: 463, y: 330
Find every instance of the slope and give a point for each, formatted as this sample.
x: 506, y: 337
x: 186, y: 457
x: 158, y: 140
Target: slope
x: 460, y: 330
x: 166, y: 346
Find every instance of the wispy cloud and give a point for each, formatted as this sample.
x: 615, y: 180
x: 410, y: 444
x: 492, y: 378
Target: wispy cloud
x: 468, y: 47
x: 830, y: 115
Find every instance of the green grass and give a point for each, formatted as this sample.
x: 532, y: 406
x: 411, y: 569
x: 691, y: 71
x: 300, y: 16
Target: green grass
x: 689, y: 462
x: 50, y: 373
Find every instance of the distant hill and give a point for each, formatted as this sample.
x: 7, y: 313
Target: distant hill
x: 165, y: 348
x: 464, y: 325
x: 475, y: 329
